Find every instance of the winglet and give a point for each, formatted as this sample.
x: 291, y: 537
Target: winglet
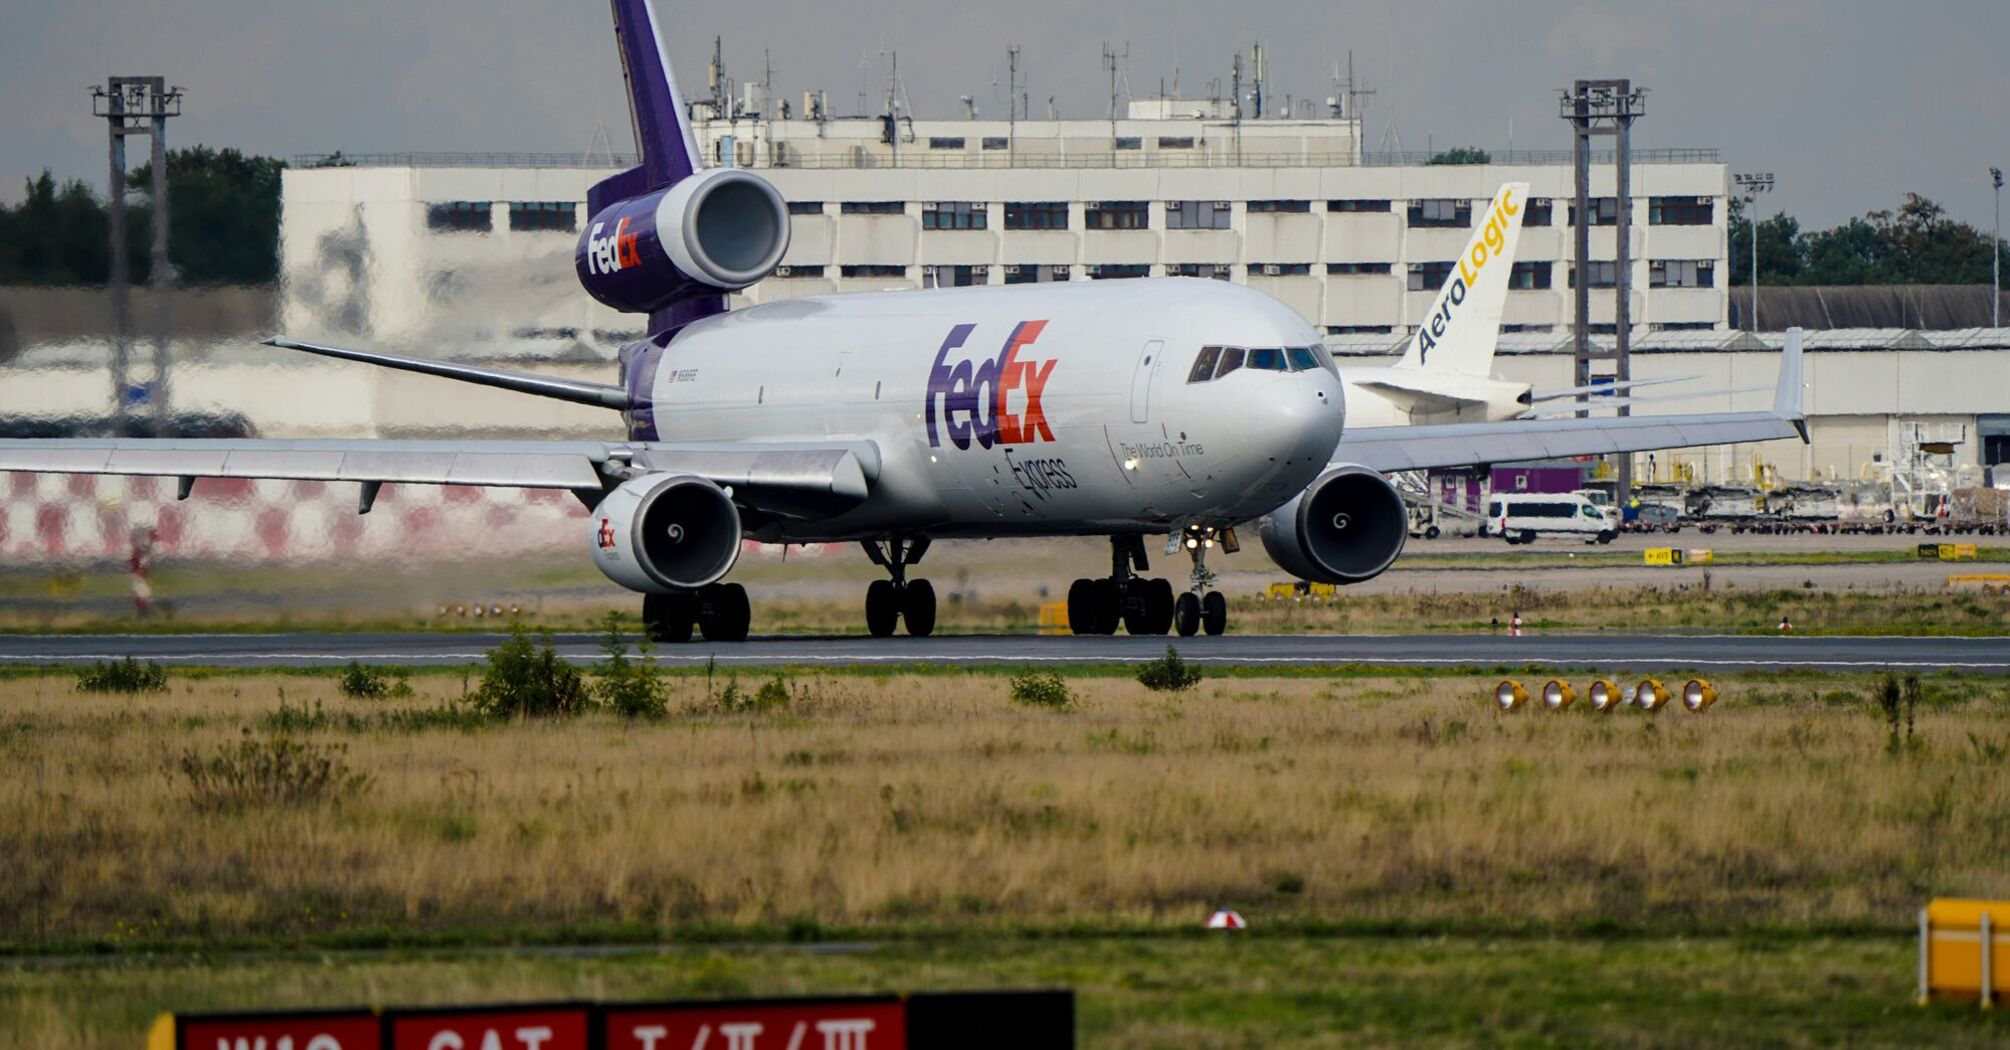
x: 1787, y: 396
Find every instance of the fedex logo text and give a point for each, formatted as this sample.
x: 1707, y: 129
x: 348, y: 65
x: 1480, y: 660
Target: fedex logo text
x: 613, y: 253
x: 974, y: 400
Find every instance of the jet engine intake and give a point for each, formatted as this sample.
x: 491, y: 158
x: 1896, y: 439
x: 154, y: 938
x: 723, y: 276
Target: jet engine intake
x: 719, y: 230
x: 665, y: 532
x: 1346, y: 527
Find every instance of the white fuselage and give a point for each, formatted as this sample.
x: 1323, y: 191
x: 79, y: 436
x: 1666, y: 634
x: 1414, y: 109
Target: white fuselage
x: 1020, y: 410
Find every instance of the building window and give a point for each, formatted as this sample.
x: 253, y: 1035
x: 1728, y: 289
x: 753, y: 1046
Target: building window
x: 1268, y: 207
x: 1036, y: 215
x: 1443, y: 212
x: 1682, y: 326
x: 1356, y: 205
x: 1279, y: 269
x: 954, y: 215
x: 1116, y: 215
x: 1035, y: 273
x: 1604, y: 274
x: 1682, y: 273
x: 1215, y: 271
x: 945, y: 142
x: 955, y: 276
x: 1681, y: 211
x: 461, y: 216
x: 1356, y: 269
x: 806, y: 207
x: 1429, y: 276
x: 873, y: 208
x: 997, y: 142
x: 1198, y: 215
x: 1111, y: 271
x: 872, y: 270
x: 1528, y: 328
x: 799, y: 271
x: 562, y: 216
x: 1359, y: 329
x: 1541, y: 211
x: 1608, y: 328
x: 1130, y: 142
x: 1531, y: 276
x: 1171, y: 142
x: 1604, y: 211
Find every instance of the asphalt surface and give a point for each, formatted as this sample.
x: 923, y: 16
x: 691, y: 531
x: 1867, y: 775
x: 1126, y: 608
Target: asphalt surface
x: 1600, y: 651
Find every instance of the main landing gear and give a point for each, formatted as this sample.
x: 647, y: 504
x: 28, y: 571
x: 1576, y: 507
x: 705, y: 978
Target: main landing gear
x: 1142, y: 606
x: 888, y: 602
x: 1201, y: 607
x: 719, y: 611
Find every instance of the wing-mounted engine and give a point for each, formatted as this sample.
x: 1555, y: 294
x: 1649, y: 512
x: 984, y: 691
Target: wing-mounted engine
x: 715, y: 231
x: 1346, y: 527
x: 665, y: 532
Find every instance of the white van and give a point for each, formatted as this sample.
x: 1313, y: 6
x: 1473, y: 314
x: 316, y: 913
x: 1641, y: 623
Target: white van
x: 1520, y: 518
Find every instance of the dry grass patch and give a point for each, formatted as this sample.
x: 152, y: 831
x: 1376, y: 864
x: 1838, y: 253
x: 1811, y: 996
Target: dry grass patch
x: 915, y: 803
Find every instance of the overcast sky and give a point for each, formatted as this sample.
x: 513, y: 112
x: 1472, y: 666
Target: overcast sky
x: 1850, y: 102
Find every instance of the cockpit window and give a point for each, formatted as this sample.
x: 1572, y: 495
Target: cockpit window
x: 1302, y: 359
x: 1268, y: 359
x: 1231, y: 359
x: 1203, y: 366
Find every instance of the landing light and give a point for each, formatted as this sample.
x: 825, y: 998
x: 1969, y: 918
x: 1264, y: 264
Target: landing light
x: 1509, y: 695
x: 1557, y: 695
x: 1603, y: 694
x: 1698, y: 694
x: 1650, y: 694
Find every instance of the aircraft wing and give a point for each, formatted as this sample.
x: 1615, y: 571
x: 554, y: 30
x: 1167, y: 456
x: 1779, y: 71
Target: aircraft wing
x: 783, y: 479
x: 1471, y: 444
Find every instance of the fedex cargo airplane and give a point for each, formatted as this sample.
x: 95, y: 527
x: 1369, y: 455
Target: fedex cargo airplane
x: 1133, y: 409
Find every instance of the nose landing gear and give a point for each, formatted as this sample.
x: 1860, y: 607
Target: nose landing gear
x: 888, y: 602
x: 1201, y: 608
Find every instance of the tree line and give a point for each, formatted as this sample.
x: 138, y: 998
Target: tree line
x: 1915, y: 244
x: 223, y: 224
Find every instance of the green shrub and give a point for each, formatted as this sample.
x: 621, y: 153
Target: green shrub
x: 123, y: 676
x: 1168, y: 673
x: 527, y: 680
x: 632, y: 688
x: 772, y: 695
x: 278, y: 771
x: 369, y: 683
x: 1040, y: 689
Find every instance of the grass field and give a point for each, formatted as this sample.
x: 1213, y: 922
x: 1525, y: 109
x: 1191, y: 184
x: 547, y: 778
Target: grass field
x: 1567, y: 878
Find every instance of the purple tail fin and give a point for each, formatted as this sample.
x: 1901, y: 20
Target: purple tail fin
x: 662, y: 126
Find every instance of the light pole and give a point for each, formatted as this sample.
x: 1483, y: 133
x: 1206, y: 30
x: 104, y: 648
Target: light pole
x: 1752, y: 184
x: 1996, y: 253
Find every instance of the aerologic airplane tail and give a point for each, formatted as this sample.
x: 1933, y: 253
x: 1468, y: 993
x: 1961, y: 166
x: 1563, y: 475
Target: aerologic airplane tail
x: 1459, y: 333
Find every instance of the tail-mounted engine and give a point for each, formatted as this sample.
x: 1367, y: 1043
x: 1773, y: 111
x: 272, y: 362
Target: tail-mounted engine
x: 665, y: 532
x: 717, y: 230
x: 1346, y: 527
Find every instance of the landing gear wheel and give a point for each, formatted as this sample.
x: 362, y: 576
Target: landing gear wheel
x: 1109, y: 609
x: 917, y: 607
x: 1159, y: 603
x: 1082, y: 607
x: 724, y: 614
x: 1186, y: 614
x: 1137, y: 608
x: 667, y: 617
x: 882, y: 608
x: 1213, y: 613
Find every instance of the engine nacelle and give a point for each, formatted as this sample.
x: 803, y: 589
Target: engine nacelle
x: 665, y: 532
x: 1346, y: 527
x: 716, y: 231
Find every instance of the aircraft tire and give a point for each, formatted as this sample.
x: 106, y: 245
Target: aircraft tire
x: 1213, y: 613
x: 1159, y: 601
x: 667, y: 617
x: 1109, y: 606
x: 917, y: 607
x: 724, y: 614
x: 882, y: 608
x: 1186, y: 614
x: 1082, y: 617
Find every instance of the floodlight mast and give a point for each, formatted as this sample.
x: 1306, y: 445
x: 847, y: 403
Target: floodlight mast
x: 1996, y: 252
x: 1754, y: 184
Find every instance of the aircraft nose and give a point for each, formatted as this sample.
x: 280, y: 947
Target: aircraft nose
x: 1298, y: 417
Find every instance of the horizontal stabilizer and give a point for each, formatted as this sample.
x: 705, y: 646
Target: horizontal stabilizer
x: 600, y: 395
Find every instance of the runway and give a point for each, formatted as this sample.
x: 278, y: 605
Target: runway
x: 1612, y: 652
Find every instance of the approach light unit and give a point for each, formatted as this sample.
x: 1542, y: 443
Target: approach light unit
x: 1698, y: 694
x: 1650, y: 694
x: 1557, y: 695
x: 1509, y: 695
x: 1604, y: 695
